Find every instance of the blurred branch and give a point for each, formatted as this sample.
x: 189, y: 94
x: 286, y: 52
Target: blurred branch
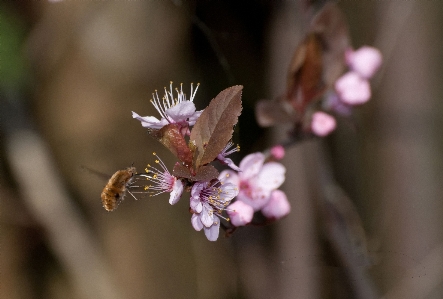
x: 342, y: 227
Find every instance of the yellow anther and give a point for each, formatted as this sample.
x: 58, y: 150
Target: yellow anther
x: 154, y: 154
x: 146, y: 187
x: 157, y: 161
x: 147, y: 170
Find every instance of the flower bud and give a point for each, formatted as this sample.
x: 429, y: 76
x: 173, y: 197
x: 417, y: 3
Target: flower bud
x: 353, y: 89
x: 240, y: 213
x: 365, y: 61
x: 322, y: 123
x: 278, y: 206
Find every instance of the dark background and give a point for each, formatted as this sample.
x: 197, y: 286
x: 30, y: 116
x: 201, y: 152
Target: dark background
x: 72, y: 72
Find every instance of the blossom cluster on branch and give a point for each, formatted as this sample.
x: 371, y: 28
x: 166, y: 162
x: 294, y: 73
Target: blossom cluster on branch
x: 197, y: 139
x: 326, y: 76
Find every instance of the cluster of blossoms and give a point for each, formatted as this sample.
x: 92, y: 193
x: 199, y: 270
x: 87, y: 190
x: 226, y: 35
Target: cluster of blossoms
x: 253, y: 182
x: 351, y: 89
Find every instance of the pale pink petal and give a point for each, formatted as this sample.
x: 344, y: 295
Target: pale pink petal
x: 240, y: 213
x: 251, y: 165
x: 365, y: 61
x: 150, y: 121
x: 271, y: 176
x: 278, y: 152
x: 196, y: 204
x: 229, y: 176
x: 229, y: 191
x: 196, y: 222
x: 213, y: 231
x: 176, y: 192
x: 193, y: 118
x: 207, y: 216
x: 353, y: 89
x: 278, y: 206
x: 228, y: 162
x: 181, y: 112
x: 322, y: 123
x: 257, y: 199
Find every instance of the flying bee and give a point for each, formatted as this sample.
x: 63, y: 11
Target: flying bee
x: 115, y: 190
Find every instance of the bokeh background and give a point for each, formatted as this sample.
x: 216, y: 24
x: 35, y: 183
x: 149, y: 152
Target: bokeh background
x: 72, y: 71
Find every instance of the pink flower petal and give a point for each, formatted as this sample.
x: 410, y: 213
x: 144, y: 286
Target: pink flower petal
x: 193, y: 118
x: 213, y: 231
x: 150, y: 121
x: 240, y: 213
x: 278, y: 152
x: 196, y: 222
x: 353, y: 89
x: 365, y: 61
x: 278, y: 206
x: 207, y: 216
x: 322, y: 123
x: 251, y: 165
x: 256, y: 199
x: 271, y: 176
x: 181, y: 112
x: 229, y: 176
x: 176, y: 192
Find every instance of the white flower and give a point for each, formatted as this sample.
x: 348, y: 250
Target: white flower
x: 208, y: 200
x: 172, y: 110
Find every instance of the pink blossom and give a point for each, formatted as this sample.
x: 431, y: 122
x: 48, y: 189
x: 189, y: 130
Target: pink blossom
x: 225, y: 152
x: 278, y: 206
x: 240, y: 213
x: 278, y: 152
x: 172, y: 110
x: 353, y: 89
x: 256, y: 180
x: 365, y: 61
x: 208, y: 200
x: 163, y: 181
x: 322, y: 123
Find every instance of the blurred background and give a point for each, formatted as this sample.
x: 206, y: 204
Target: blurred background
x: 71, y: 72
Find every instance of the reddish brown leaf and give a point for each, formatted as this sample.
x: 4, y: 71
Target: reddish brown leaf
x: 319, y: 60
x: 214, y: 127
x: 173, y: 140
x: 181, y: 171
x: 205, y: 173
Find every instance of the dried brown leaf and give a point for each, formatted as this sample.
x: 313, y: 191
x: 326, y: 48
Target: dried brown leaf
x: 214, y: 127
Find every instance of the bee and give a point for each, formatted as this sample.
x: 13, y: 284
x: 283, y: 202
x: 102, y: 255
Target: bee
x: 115, y: 190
